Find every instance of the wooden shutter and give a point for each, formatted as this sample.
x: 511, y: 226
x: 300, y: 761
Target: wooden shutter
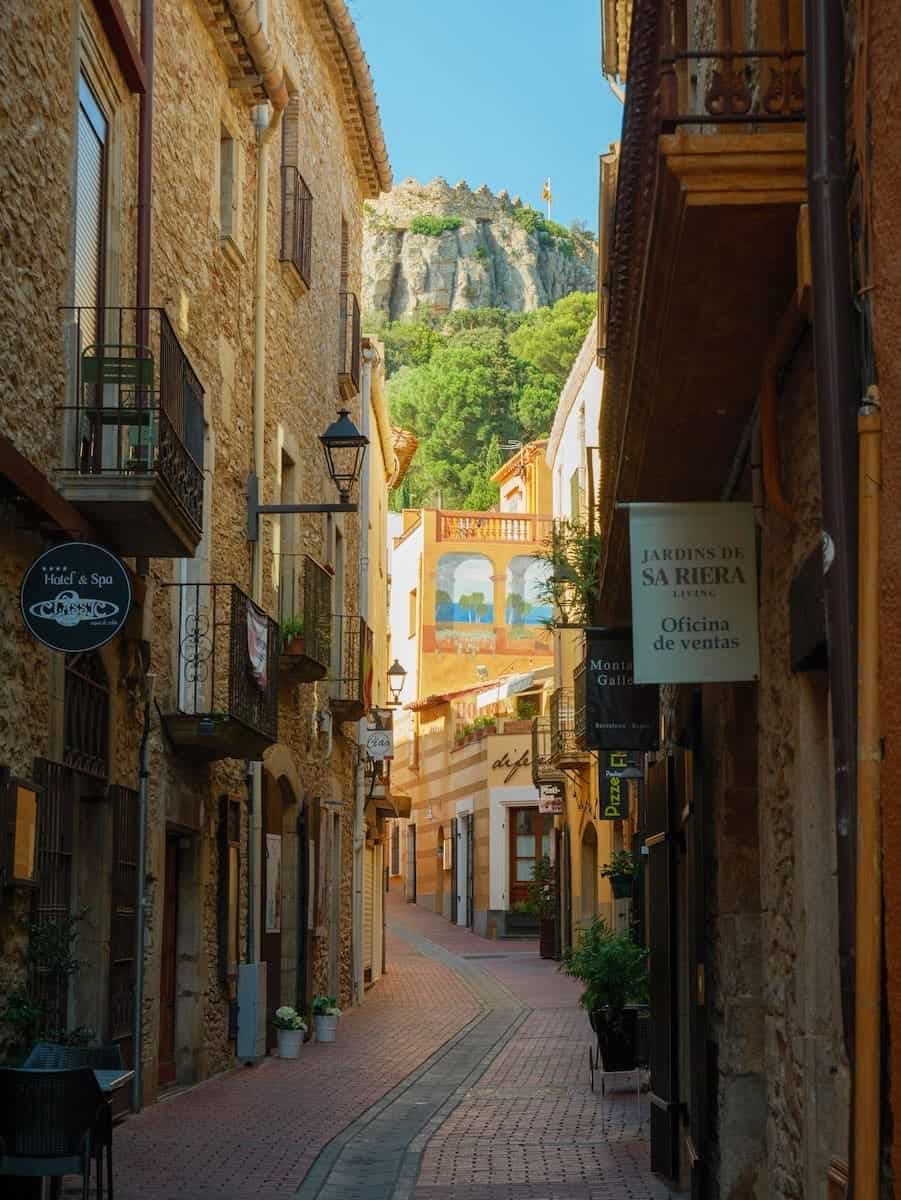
x: 229, y: 845
x: 291, y: 133
x: 663, y: 988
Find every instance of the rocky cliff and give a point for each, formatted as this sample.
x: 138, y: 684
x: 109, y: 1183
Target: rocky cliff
x: 433, y: 247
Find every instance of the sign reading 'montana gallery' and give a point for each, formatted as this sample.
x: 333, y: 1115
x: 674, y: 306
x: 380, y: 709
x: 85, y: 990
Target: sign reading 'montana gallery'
x: 694, y: 593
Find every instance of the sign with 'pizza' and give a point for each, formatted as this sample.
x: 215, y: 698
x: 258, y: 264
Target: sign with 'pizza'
x: 694, y: 593
x: 76, y: 597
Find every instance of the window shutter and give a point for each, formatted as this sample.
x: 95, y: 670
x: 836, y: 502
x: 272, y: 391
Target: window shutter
x: 291, y: 133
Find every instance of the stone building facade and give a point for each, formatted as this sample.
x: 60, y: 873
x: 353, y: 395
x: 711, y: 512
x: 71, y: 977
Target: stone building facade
x: 261, y: 142
x: 724, y: 301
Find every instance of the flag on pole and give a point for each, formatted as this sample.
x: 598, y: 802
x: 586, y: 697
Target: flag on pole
x: 547, y: 195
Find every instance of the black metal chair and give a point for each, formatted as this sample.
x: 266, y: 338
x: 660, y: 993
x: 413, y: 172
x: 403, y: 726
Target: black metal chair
x: 51, y: 1056
x: 47, y: 1123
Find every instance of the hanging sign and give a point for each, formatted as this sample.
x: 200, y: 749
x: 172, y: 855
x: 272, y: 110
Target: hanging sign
x: 694, y: 592
x: 614, y: 786
x: 618, y: 714
x: 75, y: 597
x: 550, y: 798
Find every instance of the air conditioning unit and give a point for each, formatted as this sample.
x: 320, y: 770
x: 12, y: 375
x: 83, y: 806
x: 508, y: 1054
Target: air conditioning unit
x: 251, y: 1011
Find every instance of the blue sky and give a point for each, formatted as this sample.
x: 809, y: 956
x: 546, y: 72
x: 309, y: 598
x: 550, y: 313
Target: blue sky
x: 503, y: 92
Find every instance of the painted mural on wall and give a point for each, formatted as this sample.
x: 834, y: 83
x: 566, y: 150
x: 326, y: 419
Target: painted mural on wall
x: 525, y: 592
x: 464, y: 604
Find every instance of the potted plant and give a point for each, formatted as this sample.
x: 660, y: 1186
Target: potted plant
x: 621, y: 871
x: 325, y: 1017
x: 292, y: 635
x: 614, y: 971
x: 290, y: 1028
x: 542, y: 902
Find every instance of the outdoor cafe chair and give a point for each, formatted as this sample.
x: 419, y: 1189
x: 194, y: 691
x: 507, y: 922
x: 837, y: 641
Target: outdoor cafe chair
x: 52, y: 1056
x: 47, y: 1123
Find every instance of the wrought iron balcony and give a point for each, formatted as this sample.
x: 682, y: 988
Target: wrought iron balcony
x: 349, y: 346
x: 565, y: 751
x: 543, y: 768
x: 305, y: 618
x: 351, y: 671
x: 224, y: 702
x: 580, y: 679
x: 737, y: 81
x: 297, y: 223
x: 133, y: 430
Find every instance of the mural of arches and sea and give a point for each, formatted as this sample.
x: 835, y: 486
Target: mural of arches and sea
x: 465, y: 602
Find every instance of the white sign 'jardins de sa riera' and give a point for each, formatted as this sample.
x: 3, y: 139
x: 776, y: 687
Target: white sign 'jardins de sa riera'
x: 694, y: 593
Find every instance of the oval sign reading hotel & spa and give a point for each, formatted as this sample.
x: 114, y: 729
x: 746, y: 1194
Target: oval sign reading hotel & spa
x: 75, y: 597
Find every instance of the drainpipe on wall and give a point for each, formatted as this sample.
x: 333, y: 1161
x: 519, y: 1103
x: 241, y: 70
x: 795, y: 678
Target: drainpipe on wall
x: 137, y: 1095
x: 868, y: 1022
x: 837, y: 420
x: 360, y: 779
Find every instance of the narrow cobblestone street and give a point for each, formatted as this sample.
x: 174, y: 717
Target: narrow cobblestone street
x: 463, y: 1077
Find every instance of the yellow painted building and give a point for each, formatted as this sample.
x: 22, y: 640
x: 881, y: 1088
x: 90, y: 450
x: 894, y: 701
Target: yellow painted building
x: 468, y: 613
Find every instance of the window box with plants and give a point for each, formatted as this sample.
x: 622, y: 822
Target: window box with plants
x: 300, y: 654
x: 614, y: 971
x: 474, y: 731
x: 325, y: 1017
x: 290, y: 1028
x: 621, y: 871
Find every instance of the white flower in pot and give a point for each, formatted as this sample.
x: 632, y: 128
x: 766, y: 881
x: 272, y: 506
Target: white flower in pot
x: 290, y: 1028
x: 325, y: 1018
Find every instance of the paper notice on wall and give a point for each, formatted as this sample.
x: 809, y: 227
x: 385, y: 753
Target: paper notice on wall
x: 694, y: 593
x: 257, y: 644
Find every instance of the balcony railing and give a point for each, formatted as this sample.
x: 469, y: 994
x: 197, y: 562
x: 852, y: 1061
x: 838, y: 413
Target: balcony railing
x: 493, y: 527
x: 565, y: 751
x: 297, y: 223
x: 304, y: 614
x: 133, y: 429
x: 580, y: 710
x: 224, y: 703
x: 543, y: 769
x: 349, y: 346
x: 734, y: 82
x: 351, y: 672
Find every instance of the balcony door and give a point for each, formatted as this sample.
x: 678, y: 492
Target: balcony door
x: 90, y: 207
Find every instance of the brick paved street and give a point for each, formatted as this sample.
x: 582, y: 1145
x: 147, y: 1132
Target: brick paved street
x: 463, y: 1077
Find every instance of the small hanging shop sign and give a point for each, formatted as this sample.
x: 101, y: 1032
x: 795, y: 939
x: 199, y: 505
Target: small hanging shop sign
x: 75, y: 597
x: 618, y: 714
x: 618, y: 767
x: 694, y: 592
x: 550, y: 798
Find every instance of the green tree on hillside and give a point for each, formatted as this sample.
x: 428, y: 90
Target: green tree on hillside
x: 550, y: 338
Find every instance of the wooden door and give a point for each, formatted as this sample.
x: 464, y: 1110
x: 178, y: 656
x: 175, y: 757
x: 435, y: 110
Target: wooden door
x: 123, y: 921
x: 271, y: 903
x: 454, y: 894
x: 530, y: 840
x: 662, y: 976
x: 470, y: 871
x: 168, y: 965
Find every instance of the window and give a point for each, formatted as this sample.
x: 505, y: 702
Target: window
x: 228, y: 189
x: 90, y: 205
x: 530, y: 839
x: 345, y: 256
x: 411, y: 614
x: 297, y: 203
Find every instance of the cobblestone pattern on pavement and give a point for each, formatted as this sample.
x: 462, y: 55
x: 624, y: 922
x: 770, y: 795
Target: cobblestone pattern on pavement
x: 464, y: 1076
x: 254, y: 1133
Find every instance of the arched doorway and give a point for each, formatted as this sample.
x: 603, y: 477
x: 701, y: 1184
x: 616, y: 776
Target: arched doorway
x: 589, y: 873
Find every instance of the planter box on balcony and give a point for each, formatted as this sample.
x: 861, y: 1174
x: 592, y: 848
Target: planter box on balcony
x: 224, y: 702
x: 133, y: 431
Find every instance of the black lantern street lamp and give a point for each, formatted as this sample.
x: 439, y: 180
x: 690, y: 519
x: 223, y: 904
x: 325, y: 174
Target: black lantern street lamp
x: 397, y: 677
x: 345, y: 448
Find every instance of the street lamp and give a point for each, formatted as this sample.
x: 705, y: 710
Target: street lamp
x: 344, y: 447
x: 397, y: 677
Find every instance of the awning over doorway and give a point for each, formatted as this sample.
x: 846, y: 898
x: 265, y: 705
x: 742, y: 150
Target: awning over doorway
x: 512, y: 685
